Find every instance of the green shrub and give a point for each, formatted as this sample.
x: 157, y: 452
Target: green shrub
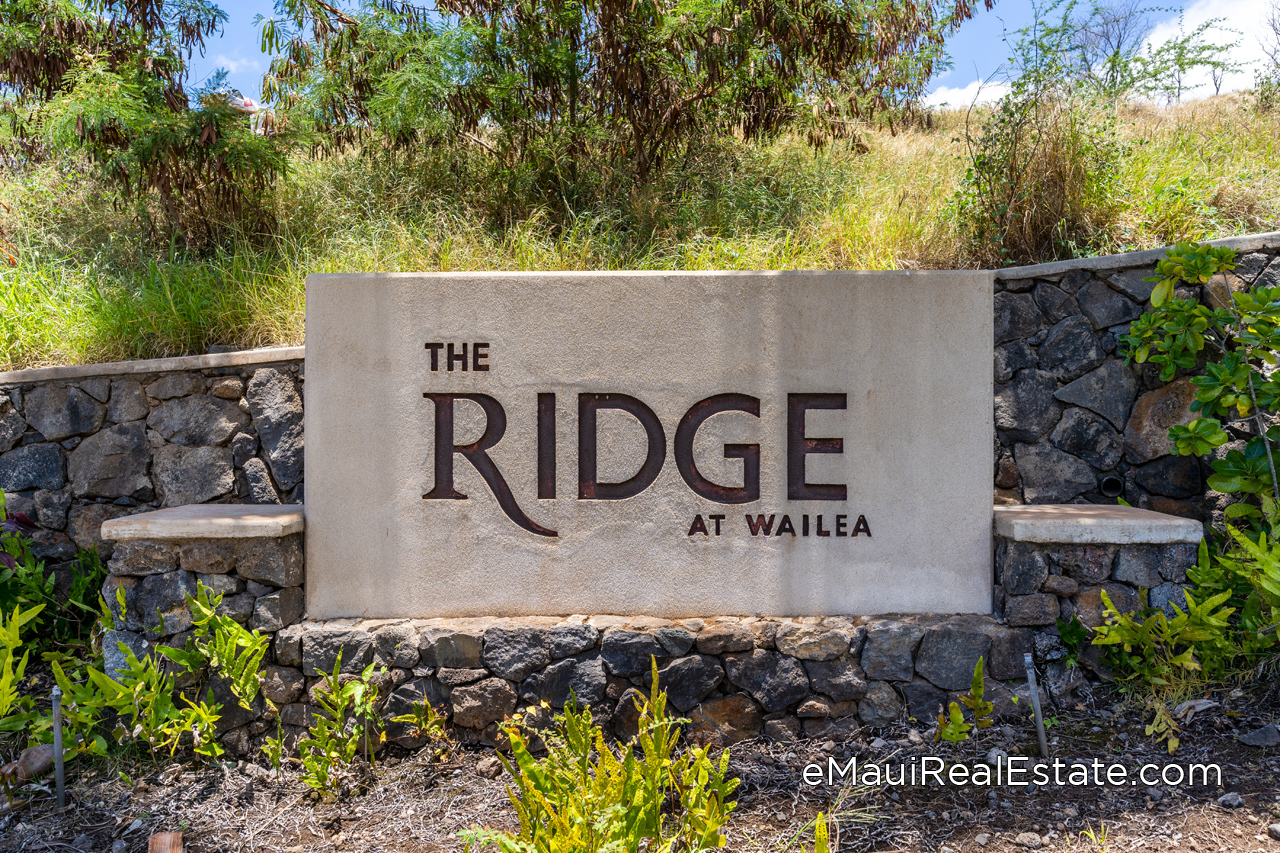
x: 1165, y: 654
x: 585, y: 796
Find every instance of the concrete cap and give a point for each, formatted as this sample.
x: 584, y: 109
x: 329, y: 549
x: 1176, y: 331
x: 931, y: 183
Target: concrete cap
x: 1091, y: 524
x: 208, y: 521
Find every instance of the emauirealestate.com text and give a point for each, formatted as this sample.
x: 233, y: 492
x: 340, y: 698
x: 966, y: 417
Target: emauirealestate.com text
x: 1016, y: 771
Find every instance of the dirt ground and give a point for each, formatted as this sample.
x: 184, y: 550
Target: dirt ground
x: 419, y: 804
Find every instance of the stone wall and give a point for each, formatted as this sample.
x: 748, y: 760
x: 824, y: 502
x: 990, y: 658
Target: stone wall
x: 1073, y: 422
x: 81, y: 445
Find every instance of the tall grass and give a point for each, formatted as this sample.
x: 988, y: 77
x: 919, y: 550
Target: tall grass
x: 87, y: 288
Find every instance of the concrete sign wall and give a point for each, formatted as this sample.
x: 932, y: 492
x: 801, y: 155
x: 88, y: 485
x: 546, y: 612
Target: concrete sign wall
x: 663, y: 444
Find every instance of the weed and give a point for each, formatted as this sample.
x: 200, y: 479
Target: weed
x: 952, y: 726
x: 584, y: 796
x: 349, y: 718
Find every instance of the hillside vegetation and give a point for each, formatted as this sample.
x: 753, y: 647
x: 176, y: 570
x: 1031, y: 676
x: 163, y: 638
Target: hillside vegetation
x: 87, y: 286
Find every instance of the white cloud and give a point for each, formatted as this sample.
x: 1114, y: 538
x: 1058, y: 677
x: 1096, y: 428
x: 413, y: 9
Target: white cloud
x: 977, y: 92
x: 235, y: 66
x: 1246, y: 17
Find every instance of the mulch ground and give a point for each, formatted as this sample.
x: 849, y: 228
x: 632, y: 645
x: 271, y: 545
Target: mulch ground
x: 420, y: 803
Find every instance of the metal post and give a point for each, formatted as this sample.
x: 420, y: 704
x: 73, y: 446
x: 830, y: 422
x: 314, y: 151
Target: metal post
x: 57, y: 747
x: 1035, y: 703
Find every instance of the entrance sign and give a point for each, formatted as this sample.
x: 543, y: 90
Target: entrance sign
x: 670, y: 444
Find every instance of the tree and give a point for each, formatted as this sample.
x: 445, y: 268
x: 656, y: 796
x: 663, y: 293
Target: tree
x: 623, y: 83
x: 106, y: 78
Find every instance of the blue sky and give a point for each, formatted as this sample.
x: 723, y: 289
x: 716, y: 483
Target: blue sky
x: 977, y: 49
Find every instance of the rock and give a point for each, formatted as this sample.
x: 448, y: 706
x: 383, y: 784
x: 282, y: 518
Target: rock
x: 1008, y: 645
x: 1053, y: 303
x: 489, y: 767
x: 175, y: 385
x: 628, y: 653
x: 581, y: 677
x: 208, y: 557
x: 689, y: 680
x: 722, y: 637
x: 1171, y: 476
x: 1051, y: 476
x: 61, y: 412
x: 238, y: 607
x: 816, y: 707
x: 477, y: 705
x: 1029, y: 840
x: 774, y: 680
x: 52, y: 546
x: 458, y: 677
x: 243, y: 448
x: 1147, y: 435
x: 1012, y: 357
x: 1025, y: 408
x: 881, y: 705
x: 1071, y: 349
x: 1108, y: 390
x: 1088, y: 436
x: 1016, y: 316
x: 1105, y: 307
x: 1274, y: 831
x: 1231, y: 800
x: 982, y: 839
x: 1036, y: 609
x: 1164, y: 597
x: 1267, y: 736
x: 282, y: 685
x: 1090, y: 609
x: 784, y: 730
x: 567, y: 640
x: 677, y: 641
x: 288, y: 646
x: 889, y: 653
x: 277, y: 413
x: 160, y: 602
x: 1088, y: 564
x: 449, y: 647
x: 395, y: 645
x: 228, y: 388
x: 143, y: 557
x: 948, y: 655
x: 626, y: 716
x: 112, y: 463
x: 725, y: 721
x: 514, y: 653
x: 51, y: 508
x: 842, y: 680
x: 1138, y: 565
x: 1131, y: 284
x: 284, y: 607
x: 32, y: 466
x: 924, y: 700
x: 321, y: 647
x: 192, y: 475
x: 833, y: 729
x: 113, y: 658
x: 19, y: 503
x: 270, y: 560
x: 811, y: 642
x: 197, y: 421
x: 221, y: 585
x: 12, y: 424
x: 127, y: 402
x: 261, y: 489
x: 84, y: 526
x: 1024, y: 567
x: 1060, y: 585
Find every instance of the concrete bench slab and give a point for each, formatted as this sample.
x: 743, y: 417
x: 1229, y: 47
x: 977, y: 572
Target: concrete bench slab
x: 1090, y: 524
x: 208, y: 521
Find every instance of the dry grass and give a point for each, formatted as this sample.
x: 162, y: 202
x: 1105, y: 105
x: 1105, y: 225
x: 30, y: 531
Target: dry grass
x: 87, y: 288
